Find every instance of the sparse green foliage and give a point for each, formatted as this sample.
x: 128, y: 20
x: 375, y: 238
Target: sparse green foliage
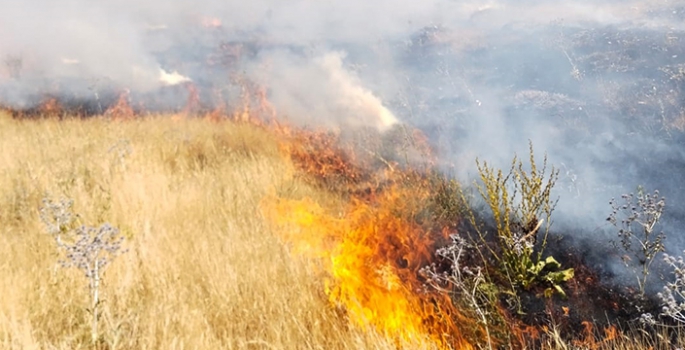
x: 550, y: 271
x: 636, y: 220
x: 521, y: 206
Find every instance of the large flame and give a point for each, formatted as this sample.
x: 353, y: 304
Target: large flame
x: 371, y: 250
x: 372, y: 257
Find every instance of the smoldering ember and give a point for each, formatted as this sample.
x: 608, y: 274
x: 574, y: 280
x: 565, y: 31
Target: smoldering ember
x: 589, y: 96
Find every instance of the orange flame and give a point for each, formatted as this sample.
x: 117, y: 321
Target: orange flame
x: 50, y: 107
x: 372, y: 257
x: 121, y: 110
x: 318, y: 154
x: 193, y: 102
x: 591, y: 342
x: 372, y: 251
x: 217, y: 115
x: 266, y: 108
x: 256, y: 107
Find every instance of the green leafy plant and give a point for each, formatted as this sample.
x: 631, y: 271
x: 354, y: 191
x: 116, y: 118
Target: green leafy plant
x: 521, y: 206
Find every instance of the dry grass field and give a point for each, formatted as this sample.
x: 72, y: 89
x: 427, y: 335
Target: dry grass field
x: 202, y: 271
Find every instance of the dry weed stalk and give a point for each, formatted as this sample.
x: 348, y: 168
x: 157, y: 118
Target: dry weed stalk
x: 636, y: 220
x: 89, y: 249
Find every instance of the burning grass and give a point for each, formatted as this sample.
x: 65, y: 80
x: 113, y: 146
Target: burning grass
x: 373, y: 253
x: 370, y: 255
x: 249, y: 235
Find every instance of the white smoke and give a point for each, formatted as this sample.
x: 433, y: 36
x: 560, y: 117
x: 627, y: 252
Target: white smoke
x: 320, y: 90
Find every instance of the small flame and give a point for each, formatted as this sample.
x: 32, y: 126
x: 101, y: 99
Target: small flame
x: 50, y: 107
x: 193, y: 101
x: 121, y: 109
x: 317, y: 154
x: 611, y: 333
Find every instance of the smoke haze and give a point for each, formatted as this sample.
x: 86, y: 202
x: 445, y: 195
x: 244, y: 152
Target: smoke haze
x: 597, y: 85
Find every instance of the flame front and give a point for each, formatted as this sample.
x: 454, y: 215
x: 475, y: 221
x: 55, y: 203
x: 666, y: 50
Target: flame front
x: 371, y: 253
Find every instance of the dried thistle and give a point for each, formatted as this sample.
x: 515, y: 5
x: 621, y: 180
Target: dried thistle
x: 673, y: 295
x: 89, y: 249
x: 636, y: 219
x: 462, y: 281
x: 57, y: 216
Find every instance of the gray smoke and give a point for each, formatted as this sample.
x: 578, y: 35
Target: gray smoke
x: 598, y: 85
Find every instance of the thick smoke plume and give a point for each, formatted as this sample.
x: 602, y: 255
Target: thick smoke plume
x: 319, y: 89
x: 598, y: 85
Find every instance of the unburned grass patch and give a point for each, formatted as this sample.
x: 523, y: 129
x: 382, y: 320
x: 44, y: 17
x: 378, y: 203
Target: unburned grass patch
x: 203, y: 270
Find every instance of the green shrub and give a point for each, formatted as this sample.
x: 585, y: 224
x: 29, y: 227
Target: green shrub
x: 521, y: 206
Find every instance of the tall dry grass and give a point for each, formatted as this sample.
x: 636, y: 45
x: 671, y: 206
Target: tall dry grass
x: 203, y: 270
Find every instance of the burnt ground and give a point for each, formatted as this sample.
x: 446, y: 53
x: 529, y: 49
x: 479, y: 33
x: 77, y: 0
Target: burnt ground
x: 615, y: 98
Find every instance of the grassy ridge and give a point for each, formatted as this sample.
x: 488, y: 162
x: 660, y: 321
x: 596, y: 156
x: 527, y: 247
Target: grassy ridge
x: 203, y: 270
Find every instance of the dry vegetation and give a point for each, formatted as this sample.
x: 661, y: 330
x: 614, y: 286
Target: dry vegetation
x: 203, y: 270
